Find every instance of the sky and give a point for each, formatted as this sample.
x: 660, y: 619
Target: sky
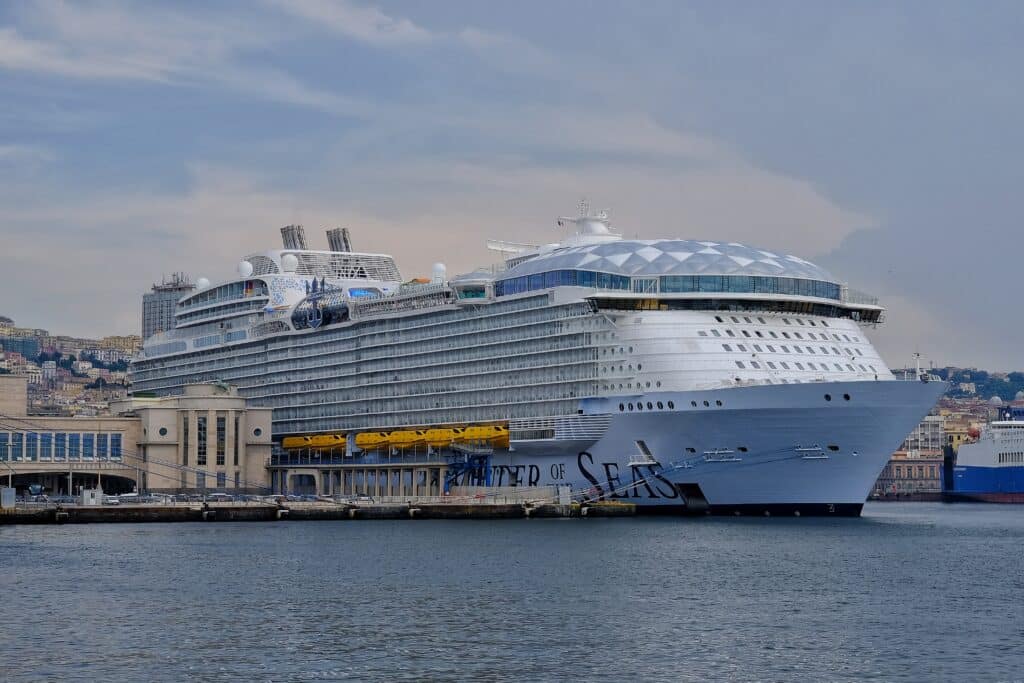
x: 881, y: 140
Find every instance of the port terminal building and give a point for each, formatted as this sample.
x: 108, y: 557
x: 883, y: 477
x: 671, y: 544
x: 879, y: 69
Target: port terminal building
x: 205, y: 439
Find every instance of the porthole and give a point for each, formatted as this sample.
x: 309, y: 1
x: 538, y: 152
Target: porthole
x: 718, y: 403
x: 671, y: 405
x: 639, y: 406
x: 257, y: 432
x: 639, y: 366
x: 658, y: 383
x: 648, y: 385
x: 693, y: 404
x: 691, y: 450
x: 622, y: 407
x: 631, y: 406
x: 706, y: 404
x: 832, y: 447
x: 650, y: 406
x: 742, y: 449
x: 162, y: 431
x: 661, y: 405
x: 828, y: 397
x: 846, y: 397
x: 631, y: 349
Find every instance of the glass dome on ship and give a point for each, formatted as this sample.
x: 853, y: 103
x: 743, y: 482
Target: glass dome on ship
x: 610, y: 363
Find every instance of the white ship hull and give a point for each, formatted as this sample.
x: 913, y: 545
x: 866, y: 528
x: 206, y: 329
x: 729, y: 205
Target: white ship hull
x: 802, y: 453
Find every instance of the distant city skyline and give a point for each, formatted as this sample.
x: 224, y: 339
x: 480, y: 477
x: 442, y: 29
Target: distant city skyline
x: 880, y: 141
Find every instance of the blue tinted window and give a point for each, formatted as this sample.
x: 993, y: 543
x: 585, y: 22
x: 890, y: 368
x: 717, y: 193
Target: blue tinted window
x: 60, y: 446
x: 31, y: 446
x: 5, y: 440
x: 88, y: 446
x: 101, y: 445
x: 74, y: 446
x: 16, y: 444
x: 45, y: 446
x: 115, y: 446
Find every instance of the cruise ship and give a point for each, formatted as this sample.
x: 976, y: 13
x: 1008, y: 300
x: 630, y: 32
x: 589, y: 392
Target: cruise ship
x: 990, y: 468
x: 675, y: 374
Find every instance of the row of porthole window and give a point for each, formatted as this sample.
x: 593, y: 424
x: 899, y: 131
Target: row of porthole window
x: 800, y: 366
x: 629, y: 385
x: 785, y: 335
x: 785, y: 349
x: 761, y: 320
x: 623, y: 407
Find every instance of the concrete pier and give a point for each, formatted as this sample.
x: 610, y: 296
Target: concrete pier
x: 304, y: 511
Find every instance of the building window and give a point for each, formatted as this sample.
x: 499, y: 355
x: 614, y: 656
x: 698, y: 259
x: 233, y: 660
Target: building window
x: 200, y: 480
x: 88, y: 446
x: 235, y: 442
x: 60, y: 446
x: 222, y: 480
x: 221, y: 440
x: 115, y: 446
x: 74, y: 446
x: 201, y: 440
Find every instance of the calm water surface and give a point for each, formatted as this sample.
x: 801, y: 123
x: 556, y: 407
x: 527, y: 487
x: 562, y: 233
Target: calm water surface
x: 907, y: 592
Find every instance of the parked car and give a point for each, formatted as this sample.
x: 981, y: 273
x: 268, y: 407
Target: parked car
x: 111, y: 500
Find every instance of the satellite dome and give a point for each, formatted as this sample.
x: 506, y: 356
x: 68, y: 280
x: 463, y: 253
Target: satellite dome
x: 438, y: 272
x: 289, y: 263
x: 995, y: 401
x: 202, y: 283
x: 244, y: 268
x: 1019, y: 396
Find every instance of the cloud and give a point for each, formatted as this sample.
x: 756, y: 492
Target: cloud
x: 363, y: 23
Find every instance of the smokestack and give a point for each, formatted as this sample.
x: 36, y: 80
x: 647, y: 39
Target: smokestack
x: 339, y: 239
x: 293, y: 236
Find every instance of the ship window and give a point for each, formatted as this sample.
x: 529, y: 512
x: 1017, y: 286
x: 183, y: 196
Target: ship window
x: 809, y: 350
x: 741, y: 347
x: 797, y: 335
x: 800, y: 321
x: 639, y: 406
x: 812, y: 323
x: 650, y: 406
x: 757, y: 347
x: 758, y: 333
x: 658, y: 383
x: 839, y: 368
x: 719, y: 318
x: 859, y: 352
x: 691, y: 450
x: 718, y: 403
x: 862, y: 368
x: 730, y: 333
x: 671, y: 405
x: 726, y: 347
x: 835, y: 350
x: 785, y: 366
x: 785, y: 349
x: 774, y: 336
x: 850, y: 368
x: 622, y: 407
x: 735, y: 319
x: 832, y: 447
x: 716, y: 333
x: 786, y: 335
x: 872, y: 368
x: 740, y: 365
x: 771, y: 365
x: 706, y: 404
x: 824, y: 323
x: 846, y: 397
x: 828, y: 397
x: 660, y: 405
x: 771, y: 348
x: 746, y: 333
x: 631, y: 406
x: 824, y: 351
x: 693, y: 404
x: 786, y: 320
x: 742, y: 449
x: 701, y: 333
x: 761, y: 320
x: 800, y: 366
x: 747, y: 319
x: 755, y: 364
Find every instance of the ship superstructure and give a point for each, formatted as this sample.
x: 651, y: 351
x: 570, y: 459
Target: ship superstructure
x: 697, y: 370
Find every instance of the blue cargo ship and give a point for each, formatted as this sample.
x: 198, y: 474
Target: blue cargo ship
x: 991, y: 468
